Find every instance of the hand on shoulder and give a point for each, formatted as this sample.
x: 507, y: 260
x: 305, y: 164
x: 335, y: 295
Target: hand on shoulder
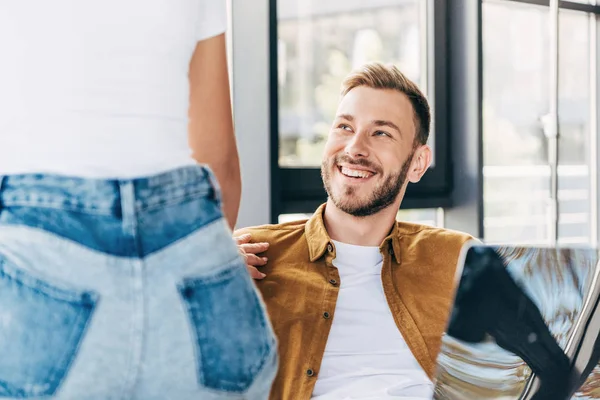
x: 249, y: 251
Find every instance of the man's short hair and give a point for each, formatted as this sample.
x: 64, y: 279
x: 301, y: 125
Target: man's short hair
x: 379, y: 76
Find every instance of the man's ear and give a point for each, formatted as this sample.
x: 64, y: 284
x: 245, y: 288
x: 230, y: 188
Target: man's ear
x: 420, y: 163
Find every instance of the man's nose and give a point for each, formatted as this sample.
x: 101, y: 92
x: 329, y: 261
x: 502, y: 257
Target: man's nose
x: 357, y: 146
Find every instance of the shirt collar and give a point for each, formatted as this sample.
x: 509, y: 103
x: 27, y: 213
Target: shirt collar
x: 318, y: 239
x: 392, y: 243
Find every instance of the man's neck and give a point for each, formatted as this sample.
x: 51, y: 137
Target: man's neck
x: 360, y: 231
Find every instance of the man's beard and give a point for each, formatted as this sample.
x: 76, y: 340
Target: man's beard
x: 382, y: 197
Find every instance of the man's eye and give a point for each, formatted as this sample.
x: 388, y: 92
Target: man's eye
x: 382, y: 133
x: 344, y: 127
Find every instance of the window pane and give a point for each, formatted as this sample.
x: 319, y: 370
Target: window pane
x: 516, y: 99
x: 319, y: 43
x: 283, y: 218
x: 426, y: 216
x: 575, y: 127
x: 432, y: 217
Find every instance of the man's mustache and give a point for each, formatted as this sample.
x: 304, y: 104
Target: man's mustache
x: 345, y: 159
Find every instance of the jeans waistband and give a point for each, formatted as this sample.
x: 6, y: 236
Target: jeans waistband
x: 106, y: 196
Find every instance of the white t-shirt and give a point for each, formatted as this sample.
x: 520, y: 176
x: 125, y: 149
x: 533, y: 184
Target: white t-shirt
x: 98, y: 88
x: 366, y: 356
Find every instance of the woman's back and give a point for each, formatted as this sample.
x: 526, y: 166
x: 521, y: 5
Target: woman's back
x: 98, y: 88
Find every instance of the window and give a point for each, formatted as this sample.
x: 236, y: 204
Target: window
x: 515, y: 103
x: 431, y: 217
x: 575, y: 127
x: 317, y: 45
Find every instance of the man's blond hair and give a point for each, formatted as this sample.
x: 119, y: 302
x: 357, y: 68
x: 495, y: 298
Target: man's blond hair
x: 379, y: 76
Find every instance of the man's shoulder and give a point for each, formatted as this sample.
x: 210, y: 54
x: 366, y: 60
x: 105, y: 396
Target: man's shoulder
x: 274, y: 233
x: 432, y: 236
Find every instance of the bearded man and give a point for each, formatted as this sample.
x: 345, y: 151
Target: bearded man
x: 358, y: 300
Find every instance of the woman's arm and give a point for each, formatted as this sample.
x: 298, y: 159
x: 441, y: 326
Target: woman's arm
x: 211, y: 135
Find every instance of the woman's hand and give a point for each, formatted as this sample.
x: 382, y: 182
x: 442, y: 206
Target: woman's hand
x: 249, y: 251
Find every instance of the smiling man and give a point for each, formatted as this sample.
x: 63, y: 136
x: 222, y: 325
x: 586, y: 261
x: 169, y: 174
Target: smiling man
x: 358, y: 300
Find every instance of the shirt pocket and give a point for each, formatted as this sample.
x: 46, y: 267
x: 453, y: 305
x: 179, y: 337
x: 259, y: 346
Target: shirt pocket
x: 233, y: 337
x: 41, y: 328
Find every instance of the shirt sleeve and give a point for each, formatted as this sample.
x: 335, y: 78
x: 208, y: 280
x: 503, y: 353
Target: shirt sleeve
x: 212, y: 20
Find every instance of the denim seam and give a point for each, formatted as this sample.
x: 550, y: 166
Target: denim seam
x: 218, y: 277
x: 241, y: 395
x: 257, y: 302
x: 2, y: 179
x: 193, y: 331
x: 29, y: 281
x: 16, y: 202
x: 192, y: 281
x: 23, y: 278
x: 11, y: 389
x: 58, y: 241
x: 137, y: 328
x: 272, y: 353
x: 170, y: 200
x: 129, y: 228
x: 68, y: 361
x: 253, y: 370
x: 186, y: 236
x: 127, y: 387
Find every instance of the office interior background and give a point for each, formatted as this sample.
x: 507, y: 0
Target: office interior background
x: 502, y: 76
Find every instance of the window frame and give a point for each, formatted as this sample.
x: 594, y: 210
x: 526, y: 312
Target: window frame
x: 594, y: 11
x: 457, y: 183
x: 564, y: 5
x: 300, y: 190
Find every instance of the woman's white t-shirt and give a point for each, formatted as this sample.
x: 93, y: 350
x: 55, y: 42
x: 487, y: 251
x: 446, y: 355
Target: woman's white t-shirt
x: 98, y: 88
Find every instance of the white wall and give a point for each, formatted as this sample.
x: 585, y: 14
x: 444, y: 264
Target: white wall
x: 250, y: 45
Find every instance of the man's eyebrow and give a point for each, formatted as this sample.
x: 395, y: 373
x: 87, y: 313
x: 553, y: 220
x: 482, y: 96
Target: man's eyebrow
x: 380, y: 122
x: 347, y: 117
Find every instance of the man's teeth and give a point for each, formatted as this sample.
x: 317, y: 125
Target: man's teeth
x: 355, y: 173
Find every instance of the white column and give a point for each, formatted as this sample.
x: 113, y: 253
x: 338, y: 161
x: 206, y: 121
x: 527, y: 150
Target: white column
x: 552, y: 127
x: 595, y: 127
x: 464, y: 106
x: 250, y: 44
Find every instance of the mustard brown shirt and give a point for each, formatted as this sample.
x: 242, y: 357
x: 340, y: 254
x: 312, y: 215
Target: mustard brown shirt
x: 301, y: 288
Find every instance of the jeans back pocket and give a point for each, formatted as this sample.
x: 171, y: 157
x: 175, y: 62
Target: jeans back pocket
x: 41, y: 327
x: 233, y: 336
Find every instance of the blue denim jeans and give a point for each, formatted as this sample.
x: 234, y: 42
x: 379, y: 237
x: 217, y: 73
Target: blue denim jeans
x: 126, y: 289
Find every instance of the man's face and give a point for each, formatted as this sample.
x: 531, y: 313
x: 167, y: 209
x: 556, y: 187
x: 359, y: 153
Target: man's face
x: 370, y: 151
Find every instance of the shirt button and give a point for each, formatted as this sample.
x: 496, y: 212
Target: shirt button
x: 326, y: 315
x: 310, y: 372
x: 329, y: 248
x: 333, y: 282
